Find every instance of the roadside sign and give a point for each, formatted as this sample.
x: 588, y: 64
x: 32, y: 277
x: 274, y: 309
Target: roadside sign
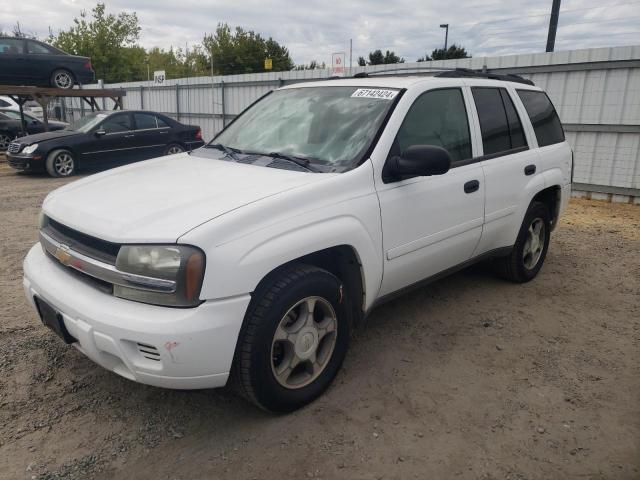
x: 268, y: 63
x: 337, y: 64
x: 159, y: 77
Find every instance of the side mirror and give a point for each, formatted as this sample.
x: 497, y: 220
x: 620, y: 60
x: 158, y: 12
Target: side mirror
x: 418, y: 161
x: 34, y: 122
x: 100, y: 133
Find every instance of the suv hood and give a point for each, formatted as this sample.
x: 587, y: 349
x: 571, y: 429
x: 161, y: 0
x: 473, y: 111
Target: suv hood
x: 160, y: 200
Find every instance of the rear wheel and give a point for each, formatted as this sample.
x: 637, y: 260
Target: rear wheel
x: 62, y: 79
x: 530, y: 249
x: 294, y: 339
x: 5, y: 140
x: 61, y: 163
x: 173, y: 148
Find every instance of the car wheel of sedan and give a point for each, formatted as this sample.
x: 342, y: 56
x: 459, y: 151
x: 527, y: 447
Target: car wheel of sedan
x: 173, y: 148
x: 5, y: 140
x: 61, y: 163
x: 62, y: 79
x: 294, y: 338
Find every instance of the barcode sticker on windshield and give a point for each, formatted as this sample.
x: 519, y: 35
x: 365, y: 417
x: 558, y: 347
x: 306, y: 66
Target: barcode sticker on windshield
x: 375, y: 93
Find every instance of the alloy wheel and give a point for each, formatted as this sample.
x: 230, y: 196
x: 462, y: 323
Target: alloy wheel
x: 173, y: 149
x: 63, y: 80
x: 304, y: 342
x: 4, y: 142
x: 534, y: 244
x: 63, y: 164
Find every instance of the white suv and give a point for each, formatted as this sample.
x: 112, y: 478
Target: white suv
x: 251, y: 258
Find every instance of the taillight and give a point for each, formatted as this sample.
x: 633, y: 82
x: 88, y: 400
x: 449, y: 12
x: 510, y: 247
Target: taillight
x: 87, y: 65
x: 198, y: 135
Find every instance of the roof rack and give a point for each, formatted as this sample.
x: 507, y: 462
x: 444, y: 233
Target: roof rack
x: 450, y: 72
x: 467, y: 72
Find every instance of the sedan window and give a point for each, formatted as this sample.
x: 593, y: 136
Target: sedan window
x: 38, y: 48
x: 11, y: 46
x: 117, y: 123
x: 144, y: 121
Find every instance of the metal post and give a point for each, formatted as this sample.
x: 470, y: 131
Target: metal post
x: 101, y: 86
x: 44, y: 103
x: 553, y: 25
x: 224, y: 118
x: 350, y: 55
x: 177, y: 102
x: 141, y: 97
x: 20, y: 102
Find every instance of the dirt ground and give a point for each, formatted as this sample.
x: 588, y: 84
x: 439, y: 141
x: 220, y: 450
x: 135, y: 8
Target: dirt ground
x: 470, y: 378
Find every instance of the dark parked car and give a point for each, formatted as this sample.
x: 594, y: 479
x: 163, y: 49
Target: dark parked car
x: 10, y: 126
x: 30, y: 62
x: 103, y: 139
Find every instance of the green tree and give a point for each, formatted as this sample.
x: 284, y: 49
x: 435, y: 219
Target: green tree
x: 110, y: 40
x: 378, y: 58
x: 454, y: 51
x: 242, y: 51
x: 362, y: 62
x: 313, y: 65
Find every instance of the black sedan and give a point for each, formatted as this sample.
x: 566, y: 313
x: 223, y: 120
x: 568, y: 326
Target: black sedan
x: 103, y: 140
x: 29, y: 62
x: 10, y: 126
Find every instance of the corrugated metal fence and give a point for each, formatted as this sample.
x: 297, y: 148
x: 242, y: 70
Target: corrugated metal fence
x: 596, y: 92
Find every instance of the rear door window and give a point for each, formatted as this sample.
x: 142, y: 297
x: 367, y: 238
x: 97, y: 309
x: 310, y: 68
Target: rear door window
x: 144, y: 121
x: 543, y: 117
x: 516, y: 132
x: 493, y: 120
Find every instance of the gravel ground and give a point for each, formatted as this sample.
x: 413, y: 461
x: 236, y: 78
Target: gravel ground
x: 470, y: 378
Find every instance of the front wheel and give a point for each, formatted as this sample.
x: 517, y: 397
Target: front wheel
x: 61, y: 163
x: 530, y: 249
x: 294, y: 339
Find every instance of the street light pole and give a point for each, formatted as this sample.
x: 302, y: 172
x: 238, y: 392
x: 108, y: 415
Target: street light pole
x: 446, y: 34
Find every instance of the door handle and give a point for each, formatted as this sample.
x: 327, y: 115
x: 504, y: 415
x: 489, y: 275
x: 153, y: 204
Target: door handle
x: 129, y: 136
x: 529, y: 169
x: 471, y: 186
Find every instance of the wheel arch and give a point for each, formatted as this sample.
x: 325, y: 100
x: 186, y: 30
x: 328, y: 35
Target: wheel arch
x: 342, y: 261
x: 551, y: 197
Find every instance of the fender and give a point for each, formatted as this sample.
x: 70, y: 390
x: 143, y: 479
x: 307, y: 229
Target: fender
x: 243, y: 248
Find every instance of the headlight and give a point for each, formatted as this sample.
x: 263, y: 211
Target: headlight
x: 30, y: 149
x: 169, y: 275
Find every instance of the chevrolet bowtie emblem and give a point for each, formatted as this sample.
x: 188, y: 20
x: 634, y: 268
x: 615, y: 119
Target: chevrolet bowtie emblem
x: 63, y: 255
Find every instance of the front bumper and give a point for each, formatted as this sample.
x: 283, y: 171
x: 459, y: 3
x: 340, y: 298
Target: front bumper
x: 26, y: 163
x: 182, y: 348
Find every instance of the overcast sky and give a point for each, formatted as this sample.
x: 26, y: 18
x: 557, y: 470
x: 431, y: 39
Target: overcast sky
x: 313, y: 29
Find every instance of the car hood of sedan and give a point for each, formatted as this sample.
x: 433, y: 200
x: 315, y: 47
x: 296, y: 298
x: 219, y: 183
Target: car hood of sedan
x: 160, y: 200
x: 42, y: 137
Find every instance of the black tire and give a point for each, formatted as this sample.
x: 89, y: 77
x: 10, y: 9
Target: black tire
x: 253, y: 372
x: 173, y: 148
x: 58, y: 165
x: 63, y: 79
x: 5, y: 140
x: 517, y: 267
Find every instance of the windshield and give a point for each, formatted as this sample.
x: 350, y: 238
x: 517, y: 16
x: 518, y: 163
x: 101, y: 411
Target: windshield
x: 87, y: 122
x: 327, y: 125
x: 16, y: 115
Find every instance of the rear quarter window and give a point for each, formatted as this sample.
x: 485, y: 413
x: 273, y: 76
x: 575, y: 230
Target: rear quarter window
x: 544, y: 118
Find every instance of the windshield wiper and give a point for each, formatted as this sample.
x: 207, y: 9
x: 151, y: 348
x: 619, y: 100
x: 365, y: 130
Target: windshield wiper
x: 300, y: 161
x: 229, y: 152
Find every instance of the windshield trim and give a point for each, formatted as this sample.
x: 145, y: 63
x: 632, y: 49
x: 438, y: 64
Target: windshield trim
x: 366, y: 151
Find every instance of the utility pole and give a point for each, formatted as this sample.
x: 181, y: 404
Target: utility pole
x: 350, y: 54
x: 446, y: 35
x: 553, y: 25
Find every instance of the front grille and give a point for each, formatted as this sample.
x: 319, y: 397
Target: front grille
x: 149, y: 352
x: 81, y: 242
x: 14, y: 147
